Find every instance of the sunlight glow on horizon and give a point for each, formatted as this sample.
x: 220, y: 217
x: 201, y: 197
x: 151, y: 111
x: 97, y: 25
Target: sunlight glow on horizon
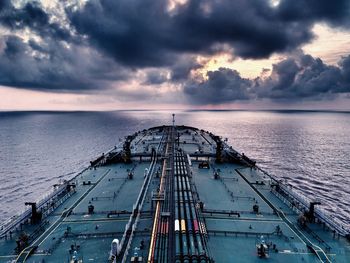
x: 252, y: 68
x: 121, y: 97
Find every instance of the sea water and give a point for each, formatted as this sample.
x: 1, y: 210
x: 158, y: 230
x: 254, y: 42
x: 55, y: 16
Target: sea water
x: 310, y: 151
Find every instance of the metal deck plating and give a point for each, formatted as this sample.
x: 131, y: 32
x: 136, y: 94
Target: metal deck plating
x: 173, y: 194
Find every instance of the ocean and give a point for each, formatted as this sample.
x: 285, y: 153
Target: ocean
x: 308, y: 150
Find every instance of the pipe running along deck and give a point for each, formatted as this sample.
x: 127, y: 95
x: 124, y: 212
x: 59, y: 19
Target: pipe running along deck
x: 174, y: 194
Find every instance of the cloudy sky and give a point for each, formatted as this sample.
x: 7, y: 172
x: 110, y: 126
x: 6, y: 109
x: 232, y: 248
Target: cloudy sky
x: 174, y: 54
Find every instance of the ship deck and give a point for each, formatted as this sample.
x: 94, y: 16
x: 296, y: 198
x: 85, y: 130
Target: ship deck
x: 165, y: 205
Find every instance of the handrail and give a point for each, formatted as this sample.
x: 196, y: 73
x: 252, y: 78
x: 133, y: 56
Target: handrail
x: 16, y: 220
x: 13, y: 222
x: 320, y: 213
x: 320, y: 253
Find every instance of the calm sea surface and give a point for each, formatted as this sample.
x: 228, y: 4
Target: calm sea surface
x: 310, y: 150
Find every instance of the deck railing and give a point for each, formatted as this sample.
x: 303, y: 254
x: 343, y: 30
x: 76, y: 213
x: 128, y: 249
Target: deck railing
x: 320, y: 213
x: 15, y: 221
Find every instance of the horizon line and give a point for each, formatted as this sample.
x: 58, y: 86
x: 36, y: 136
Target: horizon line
x: 175, y: 110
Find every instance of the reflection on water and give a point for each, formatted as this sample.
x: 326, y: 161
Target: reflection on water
x: 311, y: 150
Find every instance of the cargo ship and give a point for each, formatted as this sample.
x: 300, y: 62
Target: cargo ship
x: 174, y: 193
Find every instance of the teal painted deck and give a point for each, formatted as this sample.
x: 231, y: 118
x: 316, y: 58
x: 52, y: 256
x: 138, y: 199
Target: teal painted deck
x: 231, y: 228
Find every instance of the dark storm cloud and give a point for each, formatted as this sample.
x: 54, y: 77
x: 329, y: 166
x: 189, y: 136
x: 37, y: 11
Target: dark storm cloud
x: 19, y: 69
x: 223, y: 85
x: 334, y: 12
x: 32, y: 16
x: 55, y: 68
x: 104, y: 40
x: 143, y: 33
x: 178, y: 72
x: 58, y: 62
x: 345, y: 70
x: 4, y: 4
x: 181, y: 70
x: 155, y: 77
x: 129, y: 31
x: 302, y: 77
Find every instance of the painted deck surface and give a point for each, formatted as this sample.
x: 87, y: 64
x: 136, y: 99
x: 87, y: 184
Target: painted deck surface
x: 231, y: 229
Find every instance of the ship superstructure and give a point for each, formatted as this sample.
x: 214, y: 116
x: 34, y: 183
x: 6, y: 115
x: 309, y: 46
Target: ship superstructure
x: 173, y: 194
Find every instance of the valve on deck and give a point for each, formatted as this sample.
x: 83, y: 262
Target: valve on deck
x: 262, y: 248
x: 256, y: 208
x: 91, y: 209
x: 136, y: 257
x: 22, y: 242
x: 216, y: 175
x: 200, y: 205
x: 75, y: 256
x: 278, y: 230
x: 203, y: 165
